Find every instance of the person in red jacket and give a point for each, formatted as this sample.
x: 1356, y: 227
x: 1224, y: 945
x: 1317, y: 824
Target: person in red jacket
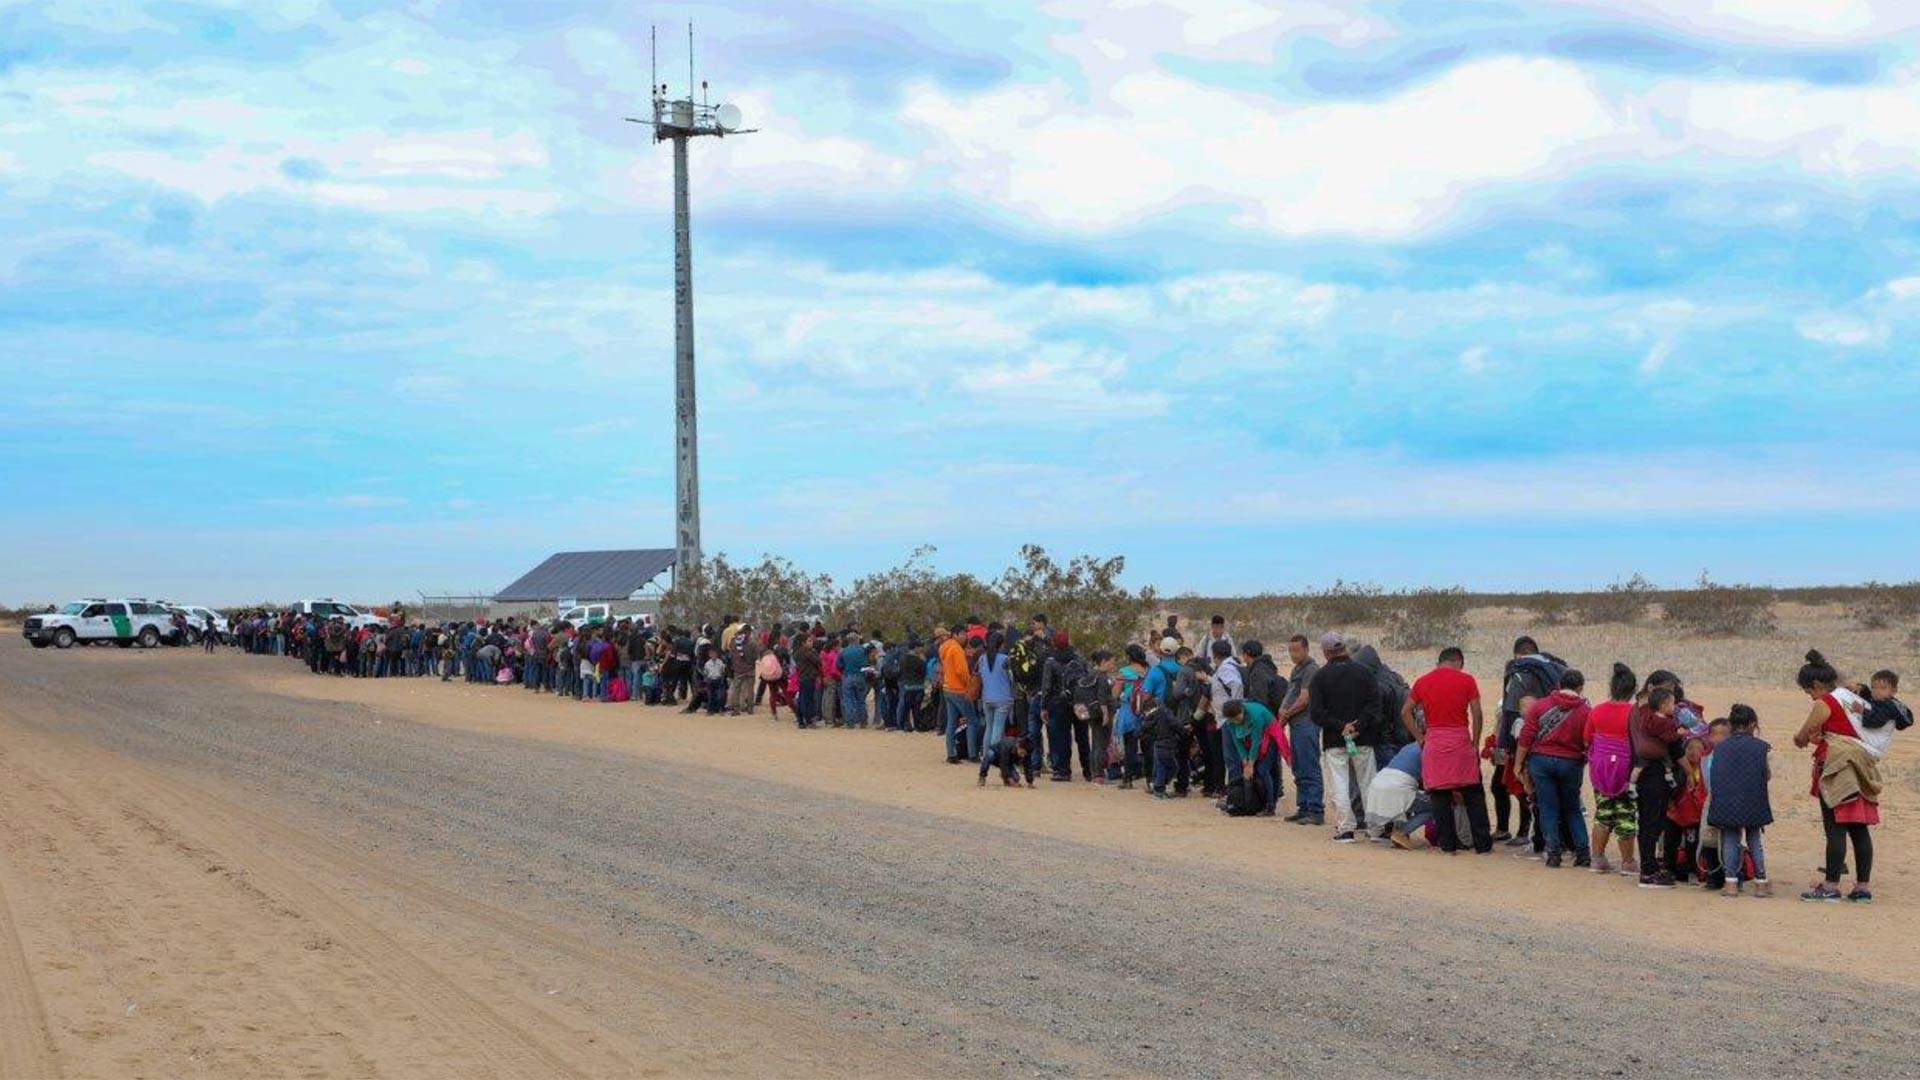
x: 1552, y: 755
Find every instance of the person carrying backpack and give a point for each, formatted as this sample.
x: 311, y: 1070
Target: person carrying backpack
x: 1551, y: 750
x: 1065, y: 675
x: 1616, y: 812
x: 1029, y: 658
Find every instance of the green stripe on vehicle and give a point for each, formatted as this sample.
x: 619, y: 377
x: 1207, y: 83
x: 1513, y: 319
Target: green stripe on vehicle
x: 122, y: 626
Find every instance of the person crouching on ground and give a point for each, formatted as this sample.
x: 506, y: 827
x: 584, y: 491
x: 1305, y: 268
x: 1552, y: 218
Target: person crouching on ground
x: 1246, y: 737
x: 1008, y: 753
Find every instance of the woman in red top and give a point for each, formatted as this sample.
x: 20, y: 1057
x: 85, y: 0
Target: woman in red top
x: 1851, y: 819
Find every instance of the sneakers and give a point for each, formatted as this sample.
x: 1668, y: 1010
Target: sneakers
x: 983, y: 780
x: 1860, y: 896
x: 1502, y: 836
x: 1661, y: 880
x: 1346, y: 837
x: 1315, y: 820
x: 1630, y: 868
x: 1602, y: 866
x: 1520, y: 841
x: 1822, y: 894
x: 1763, y: 890
x: 1582, y: 861
x: 1384, y: 836
x: 1293, y: 817
x: 1525, y: 853
x: 1553, y: 860
x: 1159, y: 794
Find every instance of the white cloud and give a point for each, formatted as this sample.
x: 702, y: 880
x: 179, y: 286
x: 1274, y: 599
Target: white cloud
x: 1152, y: 142
x: 1474, y: 361
x: 1847, y: 331
x: 365, y: 502
x: 1794, y: 22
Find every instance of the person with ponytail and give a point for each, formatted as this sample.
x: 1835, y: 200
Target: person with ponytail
x: 1610, y: 768
x: 1847, y: 796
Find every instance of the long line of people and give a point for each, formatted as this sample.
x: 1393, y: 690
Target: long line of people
x: 1680, y: 796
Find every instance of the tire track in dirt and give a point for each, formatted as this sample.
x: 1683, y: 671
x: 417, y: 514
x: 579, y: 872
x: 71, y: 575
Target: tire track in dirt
x: 26, y: 1044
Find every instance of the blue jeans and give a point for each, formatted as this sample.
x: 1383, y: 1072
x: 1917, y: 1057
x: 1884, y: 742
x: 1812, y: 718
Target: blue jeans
x: 532, y: 675
x: 909, y: 704
x: 808, y: 704
x: 1166, y: 766
x: 1556, y: 787
x: 853, y: 700
x: 1266, y: 771
x: 998, y: 713
x: 1307, y: 792
x: 960, y: 717
x: 1730, y: 851
x: 886, y: 705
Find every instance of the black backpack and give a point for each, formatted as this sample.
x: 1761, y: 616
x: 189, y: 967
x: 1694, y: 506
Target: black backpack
x: 1243, y: 798
x: 1184, y: 691
x: 890, y: 663
x: 1086, y: 688
x: 1026, y: 662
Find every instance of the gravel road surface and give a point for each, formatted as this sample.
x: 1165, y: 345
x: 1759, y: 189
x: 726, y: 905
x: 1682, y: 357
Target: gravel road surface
x: 953, y: 945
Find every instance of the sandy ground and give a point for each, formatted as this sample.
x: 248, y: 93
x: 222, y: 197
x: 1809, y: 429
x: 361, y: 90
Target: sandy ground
x: 223, y: 866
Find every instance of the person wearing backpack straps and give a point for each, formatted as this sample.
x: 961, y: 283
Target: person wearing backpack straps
x: 1552, y: 752
x: 1616, y: 814
x: 1063, y: 668
x: 1029, y: 658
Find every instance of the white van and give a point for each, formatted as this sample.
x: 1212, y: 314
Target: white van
x: 123, y: 622
x: 582, y: 615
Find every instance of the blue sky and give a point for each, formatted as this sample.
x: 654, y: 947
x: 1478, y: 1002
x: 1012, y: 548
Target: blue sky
x: 354, y: 298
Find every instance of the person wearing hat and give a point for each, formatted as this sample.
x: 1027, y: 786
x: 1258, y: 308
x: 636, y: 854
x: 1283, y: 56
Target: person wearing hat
x: 1345, y: 704
x: 1064, y: 730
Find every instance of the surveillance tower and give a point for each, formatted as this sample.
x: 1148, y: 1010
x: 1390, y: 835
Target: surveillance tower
x: 678, y: 120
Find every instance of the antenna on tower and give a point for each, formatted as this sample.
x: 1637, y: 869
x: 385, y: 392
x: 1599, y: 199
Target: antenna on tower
x: 680, y: 120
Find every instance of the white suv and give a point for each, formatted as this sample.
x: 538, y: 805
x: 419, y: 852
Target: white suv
x: 123, y: 622
x: 325, y: 609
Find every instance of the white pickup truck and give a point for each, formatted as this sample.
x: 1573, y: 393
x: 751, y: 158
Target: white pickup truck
x: 123, y: 622
x: 583, y: 615
x: 327, y: 608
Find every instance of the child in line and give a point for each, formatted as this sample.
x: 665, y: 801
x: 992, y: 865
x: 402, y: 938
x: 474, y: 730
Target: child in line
x: 713, y: 674
x: 1740, y: 806
x: 1706, y: 840
x: 1689, y: 803
x: 1010, y: 753
x: 1167, y: 734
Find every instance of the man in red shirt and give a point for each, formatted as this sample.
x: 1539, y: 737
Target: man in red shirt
x: 1448, y: 700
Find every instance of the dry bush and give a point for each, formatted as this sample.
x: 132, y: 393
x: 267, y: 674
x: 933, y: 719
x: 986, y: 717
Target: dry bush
x: 763, y: 594
x: 1714, y: 610
x: 1270, y: 618
x: 1084, y: 597
x: 1877, y: 606
x: 1549, y: 608
x: 1621, y: 602
x: 1342, y: 604
x: 1426, y: 617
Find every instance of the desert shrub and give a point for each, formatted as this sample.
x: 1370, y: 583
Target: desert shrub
x: 1426, y: 617
x: 1913, y: 639
x: 913, y: 597
x: 19, y: 614
x: 1342, y: 604
x: 1715, y: 610
x: 1549, y: 608
x: 1269, y: 617
x: 1621, y: 602
x: 716, y: 586
x: 1084, y: 596
x: 1877, y: 606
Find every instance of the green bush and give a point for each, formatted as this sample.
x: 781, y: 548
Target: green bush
x: 914, y: 597
x: 1549, y: 608
x: 1344, y: 604
x: 763, y: 594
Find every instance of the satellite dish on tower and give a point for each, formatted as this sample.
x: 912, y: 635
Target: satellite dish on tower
x: 727, y: 117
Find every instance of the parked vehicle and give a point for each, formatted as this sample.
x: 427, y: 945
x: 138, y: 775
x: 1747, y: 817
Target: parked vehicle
x: 327, y: 608
x: 124, y: 622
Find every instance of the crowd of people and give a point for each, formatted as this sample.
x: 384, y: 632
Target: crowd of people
x: 1677, y: 796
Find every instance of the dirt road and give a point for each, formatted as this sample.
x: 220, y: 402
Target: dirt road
x: 225, y: 867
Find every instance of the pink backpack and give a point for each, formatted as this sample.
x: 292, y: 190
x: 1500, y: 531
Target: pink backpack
x: 769, y: 667
x: 617, y: 690
x: 1610, y: 765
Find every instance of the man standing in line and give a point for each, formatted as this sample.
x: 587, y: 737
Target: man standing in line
x: 1029, y: 657
x: 1216, y: 633
x: 956, y: 680
x: 1226, y: 684
x: 1304, y: 733
x: 1345, y: 703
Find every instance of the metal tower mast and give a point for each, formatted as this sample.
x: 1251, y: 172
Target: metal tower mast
x: 678, y: 120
